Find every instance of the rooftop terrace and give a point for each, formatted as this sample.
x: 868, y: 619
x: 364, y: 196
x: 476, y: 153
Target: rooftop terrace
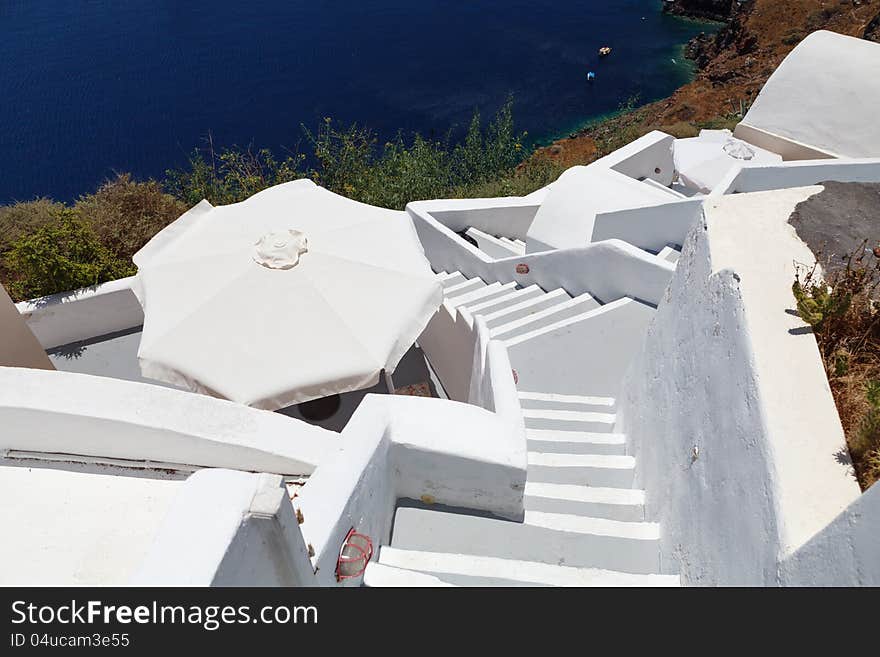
x: 85, y: 524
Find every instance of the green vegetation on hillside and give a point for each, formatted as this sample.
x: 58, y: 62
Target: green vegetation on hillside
x: 48, y: 247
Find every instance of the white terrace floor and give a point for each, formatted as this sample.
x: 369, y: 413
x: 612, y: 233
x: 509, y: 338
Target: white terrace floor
x: 102, y: 524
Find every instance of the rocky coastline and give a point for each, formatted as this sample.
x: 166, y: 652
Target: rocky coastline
x: 732, y: 66
x: 714, y: 10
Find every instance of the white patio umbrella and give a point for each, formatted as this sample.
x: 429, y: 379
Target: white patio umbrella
x: 294, y: 294
x: 702, y: 162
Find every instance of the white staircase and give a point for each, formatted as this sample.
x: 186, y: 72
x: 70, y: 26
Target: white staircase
x: 584, y: 524
x: 510, y: 310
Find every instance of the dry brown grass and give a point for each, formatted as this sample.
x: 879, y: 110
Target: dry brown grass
x: 844, y: 313
x: 853, y: 407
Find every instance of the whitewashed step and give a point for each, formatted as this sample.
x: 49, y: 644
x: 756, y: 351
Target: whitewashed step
x: 492, y: 246
x: 480, y: 570
x: 569, y: 308
x: 554, y: 401
x: 525, y: 308
x: 508, y: 300
x: 555, y: 538
x: 575, y: 442
x: 517, y: 246
x: 480, y: 294
x: 458, y: 289
x: 663, y: 188
x: 378, y: 575
x: 593, y: 501
x: 542, y: 418
x: 449, y: 279
x: 605, y: 470
x: 669, y: 253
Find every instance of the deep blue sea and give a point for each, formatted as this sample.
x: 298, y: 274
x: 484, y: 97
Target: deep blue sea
x: 89, y: 87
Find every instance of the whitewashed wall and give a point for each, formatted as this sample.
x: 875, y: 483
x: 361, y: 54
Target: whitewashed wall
x: 608, y: 270
x: 228, y: 528
x: 510, y: 217
x: 92, y: 416
x: 597, y: 345
x: 760, y: 178
x: 81, y: 314
x: 728, y: 409
x: 492, y: 385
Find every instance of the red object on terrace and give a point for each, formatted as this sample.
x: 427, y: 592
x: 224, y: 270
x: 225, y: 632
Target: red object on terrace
x: 354, y: 555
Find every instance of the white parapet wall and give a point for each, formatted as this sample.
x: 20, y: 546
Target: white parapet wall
x: 846, y: 552
x: 730, y: 416
x: 228, y: 528
x: 608, y: 269
x: 68, y: 317
x: 46, y: 412
x: 761, y: 178
x: 509, y: 217
x: 648, y: 157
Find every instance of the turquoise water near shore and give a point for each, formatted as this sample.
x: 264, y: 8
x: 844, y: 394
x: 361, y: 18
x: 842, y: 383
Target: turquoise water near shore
x: 94, y: 88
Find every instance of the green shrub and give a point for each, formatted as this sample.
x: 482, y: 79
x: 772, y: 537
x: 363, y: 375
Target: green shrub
x: 62, y: 255
x: 349, y: 161
x: 793, y: 38
x: 230, y: 175
x: 343, y: 157
x: 868, y: 434
x: 405, y: 172
x: 18, y: 219
x: 531, y: 175
x: 817, y: 304
x: 125, y: 214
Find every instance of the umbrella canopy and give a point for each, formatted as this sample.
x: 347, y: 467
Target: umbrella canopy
x: 294, y: 294
x: 702, y: 162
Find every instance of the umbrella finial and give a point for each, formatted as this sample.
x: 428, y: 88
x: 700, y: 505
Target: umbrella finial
x: 280, y: 250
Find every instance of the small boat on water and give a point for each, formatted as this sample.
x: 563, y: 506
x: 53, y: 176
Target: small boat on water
x: 591, y: 76
x: 604, y: 50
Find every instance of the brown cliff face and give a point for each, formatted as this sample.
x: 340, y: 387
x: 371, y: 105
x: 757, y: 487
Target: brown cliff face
x: 733, y: 65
